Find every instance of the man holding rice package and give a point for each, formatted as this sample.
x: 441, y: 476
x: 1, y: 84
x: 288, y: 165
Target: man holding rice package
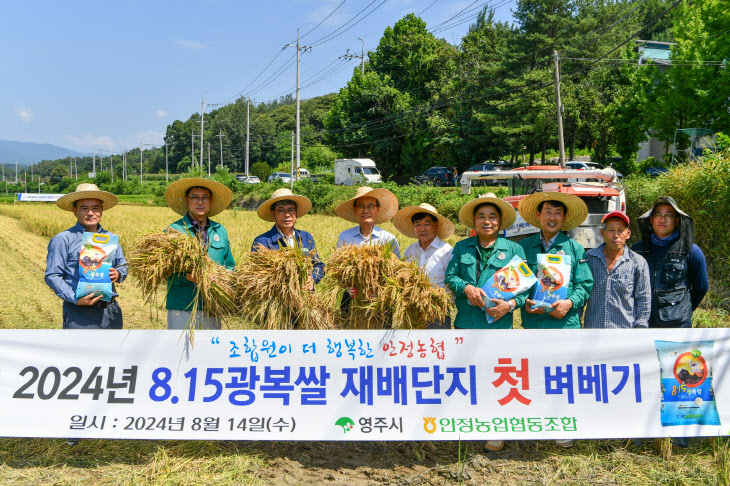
x: 559, y: 262
x: 85, y: 261
x: 284, y: 209
x: 196, y: 200
x: 430, y: 252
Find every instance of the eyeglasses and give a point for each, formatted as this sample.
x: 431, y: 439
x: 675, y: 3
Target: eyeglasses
x: 664, y: 216
x: 283, y: 211
x: 363, y: 207
x: 197, y: 199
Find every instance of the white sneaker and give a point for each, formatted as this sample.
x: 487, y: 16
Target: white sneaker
x: 564, y: 443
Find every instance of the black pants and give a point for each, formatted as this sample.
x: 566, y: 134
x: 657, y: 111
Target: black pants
x: 102, y: 315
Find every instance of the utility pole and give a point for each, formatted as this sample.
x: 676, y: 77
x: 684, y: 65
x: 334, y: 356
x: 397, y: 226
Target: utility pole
x: 220, y: 136
x: 76, y: 165
x: 208, y: 159
x: 94, y: 161
x: 299, y: 50
x: 192, y: 148
x: 111, y: 166
x: 561, y: 143
x: 202, y: 113
x: 16, y: 171
x: 248, y: 123
x: 140, y: 160
x: 291, y: 179
x: 167, y: 173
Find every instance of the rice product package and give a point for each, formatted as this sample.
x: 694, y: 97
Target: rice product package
x: 553, y: 279
x: 95, y: 260
x: 509, y: 281
x: 686, y: 383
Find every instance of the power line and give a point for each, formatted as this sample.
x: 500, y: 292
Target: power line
x: 324, y: 19
x: 334, y: 34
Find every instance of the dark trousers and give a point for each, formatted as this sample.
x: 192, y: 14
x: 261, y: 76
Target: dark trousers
x: 102, y: 315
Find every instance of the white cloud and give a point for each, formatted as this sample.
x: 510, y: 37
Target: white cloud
x: 24, y: 113
x: 161, y: 113
x: 88, y: 141
x: 190, y: 44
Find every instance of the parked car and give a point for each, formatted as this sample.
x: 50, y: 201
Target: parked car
x: 280, y: 176
x: 655, y: 171
x: 247, y: 180
x: 437, y: 176
x: 588, y: 166
x: 484, y: 166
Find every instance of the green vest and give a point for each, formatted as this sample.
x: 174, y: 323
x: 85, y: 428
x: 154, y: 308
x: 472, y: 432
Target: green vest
x: 181, y: 291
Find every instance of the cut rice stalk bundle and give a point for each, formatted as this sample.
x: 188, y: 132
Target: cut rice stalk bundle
x: 411, y: 298
x: 157, y: 256
x: 271, y: 289
x: 365, y: 268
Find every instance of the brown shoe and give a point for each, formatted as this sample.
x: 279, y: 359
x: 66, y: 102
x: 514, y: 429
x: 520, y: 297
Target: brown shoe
x: 494, y: 445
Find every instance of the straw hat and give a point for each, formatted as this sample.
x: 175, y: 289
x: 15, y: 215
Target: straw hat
x: 388, y: 204
x: 402, y: 221
x: 466, y: 213
x: 175, y: 195
x: 577, y: 209
x: 87, y: 191
x: 303, y: 204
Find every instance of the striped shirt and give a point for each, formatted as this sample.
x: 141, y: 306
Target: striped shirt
x: 620, y: 299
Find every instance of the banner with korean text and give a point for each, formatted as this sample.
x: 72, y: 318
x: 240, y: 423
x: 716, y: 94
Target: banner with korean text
x: 365, y: 385
x: 32, y: 197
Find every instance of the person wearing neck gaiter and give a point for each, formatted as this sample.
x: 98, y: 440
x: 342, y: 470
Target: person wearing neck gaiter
x: 677, y: 266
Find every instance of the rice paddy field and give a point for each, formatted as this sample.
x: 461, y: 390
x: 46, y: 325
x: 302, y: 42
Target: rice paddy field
x: 28, y: 303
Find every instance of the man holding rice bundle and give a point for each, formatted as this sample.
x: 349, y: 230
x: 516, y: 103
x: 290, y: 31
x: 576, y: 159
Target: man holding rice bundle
x: 367, y: 208
x: 197, y: 199
x: 64, y: 253
x: 430, y: 252
x: 283, y: 209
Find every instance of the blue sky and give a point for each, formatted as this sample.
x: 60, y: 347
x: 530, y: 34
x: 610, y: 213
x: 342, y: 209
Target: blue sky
x: 112, y: 74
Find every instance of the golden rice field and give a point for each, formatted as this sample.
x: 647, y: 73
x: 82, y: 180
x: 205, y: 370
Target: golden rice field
x: 28, y: 303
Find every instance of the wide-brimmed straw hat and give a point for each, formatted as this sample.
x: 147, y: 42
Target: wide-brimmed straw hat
x: 577, y: 209
x: 303, y: 203
x: 403, y: 223
x: 509, y: 216
x: 387, y: 200
x: 87, y: 191
x: 175, y: 195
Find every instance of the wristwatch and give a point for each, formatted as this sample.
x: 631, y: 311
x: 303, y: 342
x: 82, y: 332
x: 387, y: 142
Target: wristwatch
x: 511, y: 306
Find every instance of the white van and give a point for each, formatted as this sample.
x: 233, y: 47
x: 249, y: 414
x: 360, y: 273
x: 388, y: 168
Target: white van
x: 356, y: 171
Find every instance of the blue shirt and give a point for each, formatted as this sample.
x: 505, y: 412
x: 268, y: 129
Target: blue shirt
x: 353, y: 236
x: 273, y: 240
x: 62, y: 263
x: 621, y: 298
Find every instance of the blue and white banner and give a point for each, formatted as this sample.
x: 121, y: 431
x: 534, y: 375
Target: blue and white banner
x: 365, y: 385
x: 33, y: 197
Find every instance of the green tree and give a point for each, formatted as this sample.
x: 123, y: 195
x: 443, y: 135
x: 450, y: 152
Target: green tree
x: 262, y: 170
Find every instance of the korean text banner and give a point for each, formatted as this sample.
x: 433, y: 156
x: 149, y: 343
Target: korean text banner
x: 29, y: 196
x: 365, y: 385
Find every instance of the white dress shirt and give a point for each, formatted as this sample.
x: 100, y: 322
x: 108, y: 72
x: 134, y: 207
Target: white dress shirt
x: 379, y: 236
x: 433, y: 260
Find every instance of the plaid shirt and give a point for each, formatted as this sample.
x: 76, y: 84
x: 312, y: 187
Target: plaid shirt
x: 622, y: 298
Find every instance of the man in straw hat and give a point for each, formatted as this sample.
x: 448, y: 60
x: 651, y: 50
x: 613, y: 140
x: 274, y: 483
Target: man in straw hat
x: 430, y: 252
x: 475, y: 260
x: 283, y: 209
x: 196, y: 200
x: 553, y: 213
x: 367, y: 208
x: 62, y: 264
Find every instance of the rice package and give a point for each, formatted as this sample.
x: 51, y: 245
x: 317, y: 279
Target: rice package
x: 95, y: 260
x: 553, y: 279
x: 686, y: 383
x: 507, y: 282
